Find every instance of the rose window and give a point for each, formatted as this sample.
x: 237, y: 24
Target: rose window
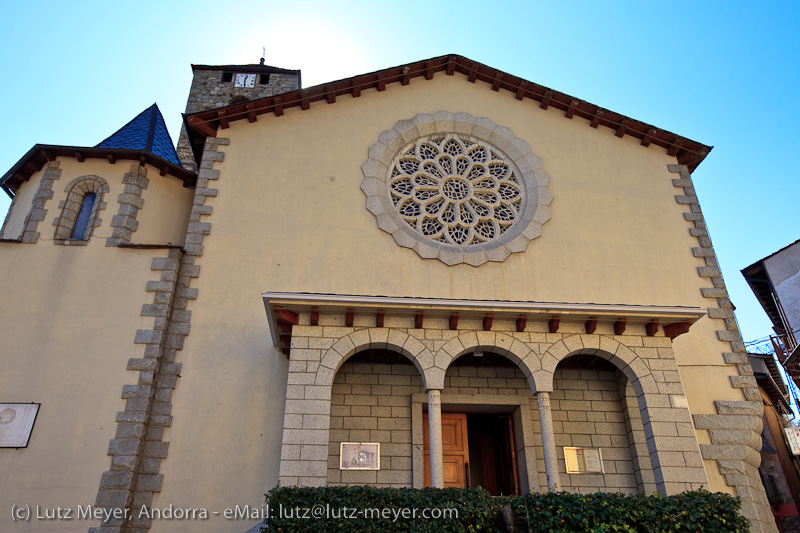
x: 456, y: 190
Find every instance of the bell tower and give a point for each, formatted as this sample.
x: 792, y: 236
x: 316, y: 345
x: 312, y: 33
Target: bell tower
x: 216, y: 86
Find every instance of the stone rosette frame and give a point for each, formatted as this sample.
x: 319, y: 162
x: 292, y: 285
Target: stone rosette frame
x: 532, y: 210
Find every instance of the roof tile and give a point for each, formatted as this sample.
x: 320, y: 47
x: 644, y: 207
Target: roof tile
x: 145, y: 132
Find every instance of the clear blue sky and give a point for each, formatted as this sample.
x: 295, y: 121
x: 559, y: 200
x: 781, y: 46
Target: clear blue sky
x: 722, y: 73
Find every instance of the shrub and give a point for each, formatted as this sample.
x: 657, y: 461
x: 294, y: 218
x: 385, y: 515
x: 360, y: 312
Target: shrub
x: 600, y: 512
x: 364, y: 508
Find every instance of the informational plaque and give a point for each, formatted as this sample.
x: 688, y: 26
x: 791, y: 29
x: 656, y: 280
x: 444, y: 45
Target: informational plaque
x: 16, y: 423
x: 360, y: 456
x: 793, y: 438
x: 583, y: 460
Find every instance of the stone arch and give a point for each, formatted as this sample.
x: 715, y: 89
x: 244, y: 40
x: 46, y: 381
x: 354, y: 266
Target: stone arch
x: 631, y: 365
x: 381, y: 338
x: 77, y: 190
x: 496, y: 342
x: 656, y: 407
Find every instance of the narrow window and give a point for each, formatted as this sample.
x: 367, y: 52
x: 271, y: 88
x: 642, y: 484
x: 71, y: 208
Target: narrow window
x: 83, y: 218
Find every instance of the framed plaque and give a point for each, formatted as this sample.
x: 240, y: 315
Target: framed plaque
x: 360, y: 456
x: 583, y: 460
x: 16, y: 423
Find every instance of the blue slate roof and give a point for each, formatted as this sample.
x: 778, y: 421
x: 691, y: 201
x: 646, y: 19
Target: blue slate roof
x: 145, y: 132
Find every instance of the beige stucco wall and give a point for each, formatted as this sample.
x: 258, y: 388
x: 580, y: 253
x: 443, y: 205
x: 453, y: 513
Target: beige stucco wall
x: 300, y: 174
x: 289, y: 216
x: 162, y: 219
x: 69, y: 316
x: 20, y: 205
x: 165, y: 214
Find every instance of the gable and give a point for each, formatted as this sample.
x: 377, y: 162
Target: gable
x: 686, y: 151
x: 298, y: 201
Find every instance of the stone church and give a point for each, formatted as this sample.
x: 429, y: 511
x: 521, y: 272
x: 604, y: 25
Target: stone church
x: 438, y: 274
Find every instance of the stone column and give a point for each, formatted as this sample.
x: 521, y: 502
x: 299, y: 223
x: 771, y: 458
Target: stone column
x: 548, y: 442
x: 435, y: 437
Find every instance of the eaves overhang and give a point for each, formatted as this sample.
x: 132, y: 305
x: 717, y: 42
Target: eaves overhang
x: 283, y: 310
x: 770, y: 379
x: 687, y: 152
x: 246, y: 68
x: 35, y: 159
x: 757, y: 278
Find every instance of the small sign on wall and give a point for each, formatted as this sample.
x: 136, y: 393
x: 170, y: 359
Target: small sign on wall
x: 583, y: 460
x: 360, y: 456
x: 793, y: 438
x: 16, y: 423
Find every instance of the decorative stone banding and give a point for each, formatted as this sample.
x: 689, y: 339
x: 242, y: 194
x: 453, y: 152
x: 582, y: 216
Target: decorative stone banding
x: 456, y: 188
x: 738, y: 458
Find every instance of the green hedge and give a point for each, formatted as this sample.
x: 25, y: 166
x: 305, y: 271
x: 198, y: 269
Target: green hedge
x: 363, y: 508
x: 685, y: 512
x: 476, y: 509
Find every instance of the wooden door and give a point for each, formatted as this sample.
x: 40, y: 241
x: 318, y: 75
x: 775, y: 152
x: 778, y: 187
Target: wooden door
x: 455, y: 450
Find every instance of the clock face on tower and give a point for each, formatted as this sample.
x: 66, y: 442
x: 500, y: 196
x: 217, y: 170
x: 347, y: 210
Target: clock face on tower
x: 244, y: 80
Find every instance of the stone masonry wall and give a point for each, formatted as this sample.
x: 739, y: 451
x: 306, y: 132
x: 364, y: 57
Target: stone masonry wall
x: 586, y: 410
x: 317, y: 351
x: 372, y: 403
x: 208, y: 91
x: 485, y: 380
x: 642, y: 466
x: 664, y: 429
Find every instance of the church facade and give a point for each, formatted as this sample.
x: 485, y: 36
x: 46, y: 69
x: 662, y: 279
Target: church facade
x: 437, y: 274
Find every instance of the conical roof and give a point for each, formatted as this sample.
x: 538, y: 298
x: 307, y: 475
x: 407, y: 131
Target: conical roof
x: 145, y: 132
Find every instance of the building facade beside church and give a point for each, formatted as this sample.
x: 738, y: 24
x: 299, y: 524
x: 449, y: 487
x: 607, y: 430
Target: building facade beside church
x: 434, y: 274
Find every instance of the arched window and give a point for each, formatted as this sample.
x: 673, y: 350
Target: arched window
x: 80, y: 210
x: 83, y: 217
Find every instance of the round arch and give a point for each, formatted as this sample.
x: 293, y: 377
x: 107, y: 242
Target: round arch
x: 77, y: 190
x: 495, y: 342
x: 375, y: 338
x: 631, y: 365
